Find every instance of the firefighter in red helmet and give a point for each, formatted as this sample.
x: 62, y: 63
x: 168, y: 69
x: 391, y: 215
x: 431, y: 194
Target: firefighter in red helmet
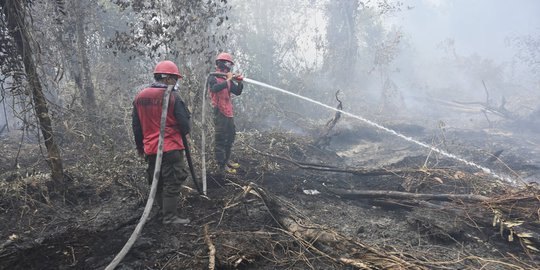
x: 220, y: 89
x: 146, y: 119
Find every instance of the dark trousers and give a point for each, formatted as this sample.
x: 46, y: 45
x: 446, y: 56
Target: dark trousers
x: 173, y: 173
x: 225, y: 132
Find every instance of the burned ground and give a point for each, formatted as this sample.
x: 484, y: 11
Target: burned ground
x: 291, y: 206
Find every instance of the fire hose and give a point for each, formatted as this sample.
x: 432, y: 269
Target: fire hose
x: 153, y: 189
x: 190, y: 164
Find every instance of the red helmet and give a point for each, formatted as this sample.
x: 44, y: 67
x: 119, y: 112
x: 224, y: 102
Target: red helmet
x: 167, y: 67
x: 225, y: 57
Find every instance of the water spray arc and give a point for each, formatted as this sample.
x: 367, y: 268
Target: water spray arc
x: 393, y: 132
x: 367, y: 121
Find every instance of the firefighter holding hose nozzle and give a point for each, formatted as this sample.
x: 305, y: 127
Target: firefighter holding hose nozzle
x: 221, y: 85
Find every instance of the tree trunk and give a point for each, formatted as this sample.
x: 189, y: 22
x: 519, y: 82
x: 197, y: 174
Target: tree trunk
x: 89, y: 98
x: 342, y: 41
x: 15, y: 16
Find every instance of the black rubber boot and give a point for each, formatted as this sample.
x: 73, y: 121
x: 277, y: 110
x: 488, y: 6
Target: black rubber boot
x: 170, y: 215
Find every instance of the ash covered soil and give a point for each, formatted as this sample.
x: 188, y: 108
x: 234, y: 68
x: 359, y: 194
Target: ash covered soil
x: 291, y: 206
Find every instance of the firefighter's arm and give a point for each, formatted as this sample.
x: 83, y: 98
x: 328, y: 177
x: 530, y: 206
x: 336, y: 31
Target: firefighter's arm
x: 215, y: 86
x: 137, y: 131
x: 236, y: 88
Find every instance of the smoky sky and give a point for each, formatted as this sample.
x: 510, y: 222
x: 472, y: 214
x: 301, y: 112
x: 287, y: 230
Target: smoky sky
x: 449, y: 51
x: 476, y: 26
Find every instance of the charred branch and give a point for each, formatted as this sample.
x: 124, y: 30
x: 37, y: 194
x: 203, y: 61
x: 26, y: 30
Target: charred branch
x: 355, y: 171
x: 211, y: 249
x: 325, y: 136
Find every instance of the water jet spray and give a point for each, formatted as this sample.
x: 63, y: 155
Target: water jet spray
x: 373, y: 124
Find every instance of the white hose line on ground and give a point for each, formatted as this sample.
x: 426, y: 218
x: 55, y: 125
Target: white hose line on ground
x: 153, y: 189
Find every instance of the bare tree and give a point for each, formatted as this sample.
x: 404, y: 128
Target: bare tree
x: 527, y: 51
x: 71, y: 32
x: 342, y: 53
x: 85, y: 73
x: 15, y: 16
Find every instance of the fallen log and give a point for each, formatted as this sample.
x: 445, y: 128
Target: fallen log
x: 407, y: 195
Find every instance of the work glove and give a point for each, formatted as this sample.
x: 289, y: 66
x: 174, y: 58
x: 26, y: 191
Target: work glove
x: 238, y: 77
